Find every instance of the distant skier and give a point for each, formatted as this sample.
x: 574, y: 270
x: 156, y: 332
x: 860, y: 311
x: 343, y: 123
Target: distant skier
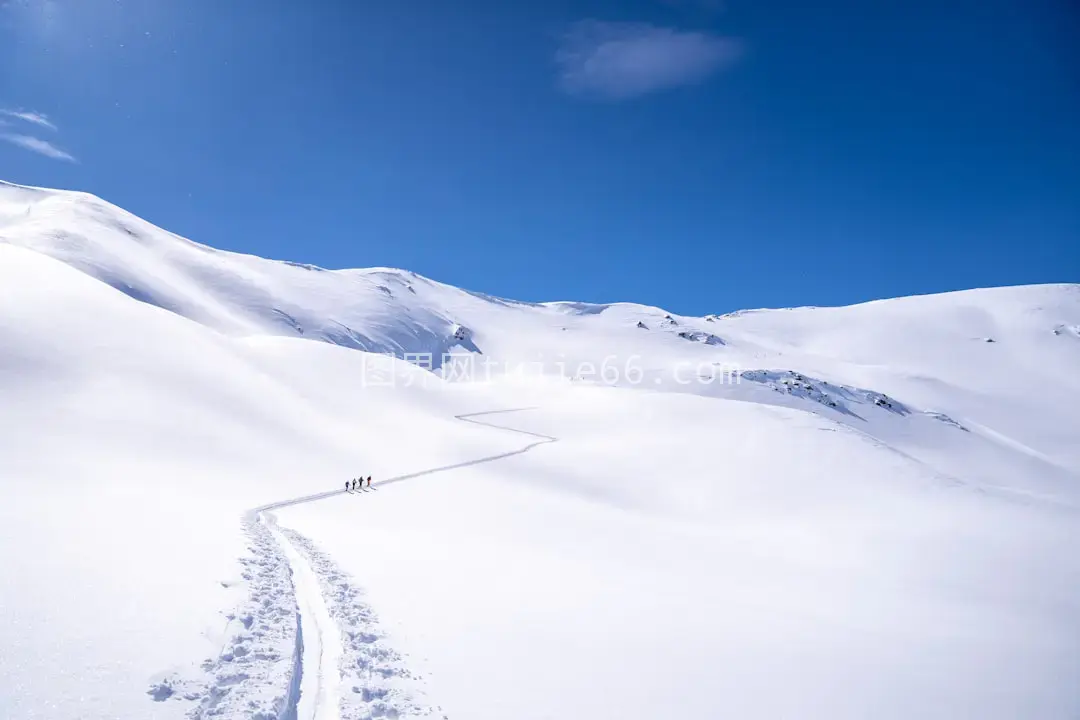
x: 354, y: 484
x: 347, y: 486
x: 369, y: 481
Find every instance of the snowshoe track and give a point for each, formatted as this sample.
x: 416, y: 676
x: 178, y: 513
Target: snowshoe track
x: 256, y: 673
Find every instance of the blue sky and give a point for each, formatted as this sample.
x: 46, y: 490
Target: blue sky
x: 695, y: 154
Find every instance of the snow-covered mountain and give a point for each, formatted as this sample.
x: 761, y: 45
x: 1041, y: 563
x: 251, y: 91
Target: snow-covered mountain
x: 810, y: 512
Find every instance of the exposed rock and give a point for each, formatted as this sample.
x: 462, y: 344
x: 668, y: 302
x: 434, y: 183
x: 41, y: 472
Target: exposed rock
x: 701, y: 337
x: 839, y: 397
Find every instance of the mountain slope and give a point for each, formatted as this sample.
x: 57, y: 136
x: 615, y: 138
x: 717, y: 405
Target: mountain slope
x: 814, y: 512
x: 998, y: 362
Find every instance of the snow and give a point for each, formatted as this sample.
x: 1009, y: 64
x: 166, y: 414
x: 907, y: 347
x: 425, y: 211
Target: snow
x: 584, y: 511
x: 321, y: 646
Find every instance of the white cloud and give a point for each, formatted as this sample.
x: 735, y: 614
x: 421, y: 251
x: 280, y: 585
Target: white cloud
x: 622, y: 60
x: 30, y: 117
x: 33, y: 144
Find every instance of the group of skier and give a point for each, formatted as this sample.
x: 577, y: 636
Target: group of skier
x: 357, y: 484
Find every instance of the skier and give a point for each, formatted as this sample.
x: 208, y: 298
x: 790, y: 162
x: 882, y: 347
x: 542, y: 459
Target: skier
x: 369, y: 481
x: 346, y: 486
x: 354, y: 484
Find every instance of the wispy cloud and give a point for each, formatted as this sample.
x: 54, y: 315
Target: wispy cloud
x: 30, y: 117
x: 617, y: 61
x: 33, y: 144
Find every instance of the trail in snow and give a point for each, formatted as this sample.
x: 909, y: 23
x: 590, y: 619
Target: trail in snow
x: 375, y: 680
x: 319, y: 639
x: 467, y: 417
x: 257, y: 671
x: 328, y: 612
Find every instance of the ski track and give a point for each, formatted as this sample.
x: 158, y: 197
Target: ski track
x: 467, y: 417
x: 304, y: 645
x: 319, y: 641
x: 374, y: 679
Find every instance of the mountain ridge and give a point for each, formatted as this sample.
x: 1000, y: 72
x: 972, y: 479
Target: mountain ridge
x: 94, y: 200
